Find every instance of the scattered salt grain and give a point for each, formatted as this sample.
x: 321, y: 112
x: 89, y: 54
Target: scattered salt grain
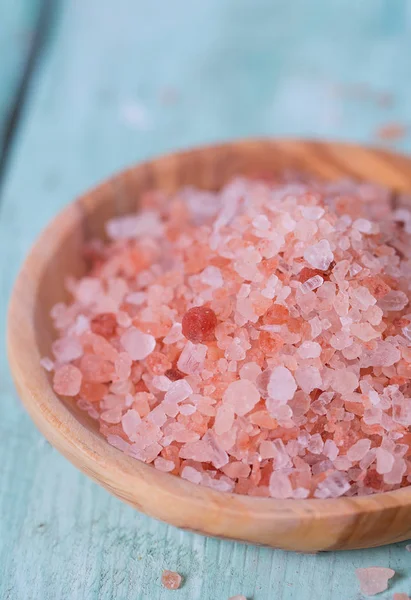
x: 374, y: 580
x: 138, y: 344
x: 171, y: 580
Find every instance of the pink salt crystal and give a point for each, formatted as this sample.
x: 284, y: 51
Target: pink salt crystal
x: 137, y: 344
x: 191, y: 474
x: 385, y: 461
x: 192, y: 358
x: 374, y: 580
x: 130, y: 422
x: 330, y: 450
x: 312, y: 284
x: 212, y: 276
x: 237, y: 598
x: 358, y: 450
x: 319, y: 255
x: 400, y: 596
x: 308, y: 378
x: 67, y: 380
x: 242, y: 395
x: 385, y: 354
x: 164, y: 465
x: 224, y: 419
x: 333, y: 486
x: 280, y: 486
x: 250, y: 371
x: 178, y: 391
x: 174, y: 335
x: 281, y: 385
x: 393, y: 301
x: 171, y: 580
x: 316, y: 444
x: 344, y: 382
x: 309, y: 350
x: 408, y: 548
x: 67, y: 349
x: 364, y: 331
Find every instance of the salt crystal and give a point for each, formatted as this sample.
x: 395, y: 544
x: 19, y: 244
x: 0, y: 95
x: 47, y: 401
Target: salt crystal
x: 224, y: 419
x: 312, y: 213
x: 333, y: 486
x: 174, y: 335
x: 47, y: 364
x: 242, y: 395
x: 237, y: 598
x: 164, y: 465
x: 212, y: 276
x: 192, y: 358
x: 309, y: 350
x: 312, y: 284
x: 171, y: 580
x: 330, y: 450
x: 280, y: 485
x: 130, y: 422
x: 374, y: 580
x: 133, y: 226
x: 319, y: 255
x: 178, y: 391
x: 250, y: 371
x: 393, y: 301
x: 67, y: 380
x: 137, y: 344
x: 385, y: 461
x: 281, y: 385
x: 359, y: 450
x: 308, y: 378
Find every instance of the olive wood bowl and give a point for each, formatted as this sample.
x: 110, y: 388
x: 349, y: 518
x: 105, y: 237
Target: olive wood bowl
x: 301, y: 525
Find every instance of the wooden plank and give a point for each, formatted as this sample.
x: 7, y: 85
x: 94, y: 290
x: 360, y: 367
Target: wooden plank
x: 122, y: 81
x: 18, y: 23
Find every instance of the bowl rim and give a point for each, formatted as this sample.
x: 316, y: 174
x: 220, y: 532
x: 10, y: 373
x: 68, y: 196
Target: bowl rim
x: 91, y: 452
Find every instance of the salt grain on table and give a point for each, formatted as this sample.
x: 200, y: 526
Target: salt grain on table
x: 374, y: 579
x: 171, y: 580
x: 254, y: 340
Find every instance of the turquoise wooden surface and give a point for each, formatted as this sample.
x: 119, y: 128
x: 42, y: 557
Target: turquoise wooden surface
x: 18, y: 20
x: 123, y: 80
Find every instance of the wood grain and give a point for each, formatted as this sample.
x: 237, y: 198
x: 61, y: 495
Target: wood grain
x: 238, y: 69
x: 306, y: 525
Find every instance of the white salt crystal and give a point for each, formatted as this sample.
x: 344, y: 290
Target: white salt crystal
x: 316, y: 444
x: 243, y: 395
x: 224, y: 419
x: 67, y: 349
x: 137, y: 344
x: 385, y: 461
x: 191, y: 360
x: 330, y: 450
x: 359, y: 450
x: 311, y: 284
x: 308, y: 378
x: 281, y: 385
x: 334, y: 485
x: 174, y: 335
x: 312, y: 213
x: 146, y: 223
x: 280, y: 485
x: 344, y: 382
x: 363, y: 225
x: 309, y: 350
x: 364, y: 331
x: 48, y: 364
x: 164, y: 465
x: 374, y: 580
x: 212, y: 276
x: 191, y: 474
x: 251, y: 371
x: 319, y: 255
x: 178, y: 391
x: 393, y: 301
x: 130, y: 422
x: 161, y: 382
x: 385, y: 354
x: 271, y: 286
x: 136, y: 298
x: 261, y: 222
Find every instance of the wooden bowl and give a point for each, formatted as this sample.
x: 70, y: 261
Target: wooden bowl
x: 302, y: 525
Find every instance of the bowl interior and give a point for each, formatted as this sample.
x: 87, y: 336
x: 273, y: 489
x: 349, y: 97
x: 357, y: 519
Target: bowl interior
x: 292, y: 524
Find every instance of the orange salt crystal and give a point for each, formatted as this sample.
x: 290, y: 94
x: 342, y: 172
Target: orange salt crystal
x: 270, y: 343
x: 376, y: 286
x: 276, y: 315
x: 104, y: 324
x: 199, y: 324
x: 157, y: 363
x: 93, y: 392
x: 174, y: 374
x: 171, y: 580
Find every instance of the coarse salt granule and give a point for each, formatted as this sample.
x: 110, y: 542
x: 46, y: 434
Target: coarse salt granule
x: 254, y: 340
x: 171, y: 580
x: 374, y: 580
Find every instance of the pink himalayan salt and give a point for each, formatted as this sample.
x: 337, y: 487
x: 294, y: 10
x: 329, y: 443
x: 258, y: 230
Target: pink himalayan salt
x: 171, y: 580
x: 374, y: 580
x: 67, y: 380
x: 400, y: 596
x: 306, y: 371
x: 408, y: 548
x: 138, y: 344
x: 237, y: 598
